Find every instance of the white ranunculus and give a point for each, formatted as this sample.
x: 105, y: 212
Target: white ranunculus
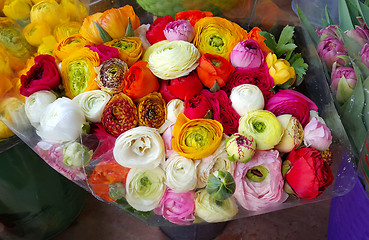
x: 145, y: 188
x: 246, y: 98
x: 174, y: 108
x: 140, y: 32
x: 139, y: 147
x: 36, y: 104
x: 181, y: 175
x: 92, y: 104
x: 61, y: 121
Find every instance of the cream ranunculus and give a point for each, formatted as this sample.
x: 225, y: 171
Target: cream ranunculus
x: 36, y: 104
x: 145, y: 188
x: 180, y: 173
x: 174, y: 59
x: 76, y: 155
x: 174, y: 108
x: 92, y: 104
x: 246, y: 98
x: 139, y: 147
x: 293, y: 134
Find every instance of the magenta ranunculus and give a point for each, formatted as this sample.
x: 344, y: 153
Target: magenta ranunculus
x: 259, y: 182
x: 292, y: 102
x: 364, y: 53
x: 179, y: 30
x: 359, y: 34
x: 330, y: 49
x: 197, y: 107
x: 43, y: 75
x: 247, y: 54
x: 105, y: 52
x: 177, y: 208
x: 256, y: 76
x: 317, y: 135
x: 331, y: 30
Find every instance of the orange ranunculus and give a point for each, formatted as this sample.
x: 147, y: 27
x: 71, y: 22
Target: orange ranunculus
x: 254, y: 34
x: 193, y: 15
x: 88, y: 29
x: 66, y: 30
x: 140, y: 81
x: 78, y: 72
x: 5, y: 69
x: 196, y: 138
x: 130, y: 49
x: 151, y: 110
x: 214, y: 68
x: 68, y: 45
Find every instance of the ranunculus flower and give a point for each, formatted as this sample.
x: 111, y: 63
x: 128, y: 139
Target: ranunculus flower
x: 34, y: 32
x: 197, y: 138
x: 330, y: 49
x: 140, y: 32
x: 177, y: 208
x: 49, y: 11
x: 185, y: 87
x: 259, y: 77
x: 292, y: 102
x: 174, y: 108
x: 240, y: 147
x: 217, y: 35
x: 214, y: 68
x: 164, y: 91
x: 280, y: 69
x: 145, y: 188
x: 307, y: 173
x: 259, y: 182
x: 151, y: 110
x: 139, y: 81
x: 17, y: 9
x: 331, y: 30
x: 44, y: 75
x: 359, y: 34
x: 130, y: 49
x: 217, y: 161
x: 207, y: 208
x: 119, y: 115
x: 174, y: 59
x: 76, y: 155
x: 74, y: 10
x: 167, y: 139
x: 364, y: 53
x: 78, y: 72
x: 222, y: 110
x: 263, y: 126
x: 68, y: 45
x: 247, y: 54
x: 197, y: 107
x: 152, y: 48
x: 92, y: 104
x: 254, y: 34
x: 110, y: 75
x: 35, y: 105
x: 293, y: 133
x: 193, y: 15
x: 139, y: 147
x: 156, y: 30
x: 179, y: 30
x: 246, y: 98
x: 317, y: 135
x: 104, y: 52
x: 343, y: 82
x: 180, y: 172
x: 61, y: 121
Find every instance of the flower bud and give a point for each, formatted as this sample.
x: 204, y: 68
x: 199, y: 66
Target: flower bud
x: 247, y: 54
x: 174, y: 108
x: 317, y: 135
x: 280, y: 70
x: 343, y: 82
x: 76, y: 155
x: 246, y: 98
x: 221, y: 185
x: 359, y: 34
x: 293, y: 133
x: 364, y: 53
x: 330, y: 49
x: 179, y: 30
x: 240, y: 147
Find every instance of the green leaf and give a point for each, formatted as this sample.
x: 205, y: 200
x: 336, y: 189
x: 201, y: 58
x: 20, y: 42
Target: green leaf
x: 364, y: 12
x: 308, y: 26
x: 269, y: 40
x: 300, y: 67
x: 344, y: 16
x: 288, y: 48
x: 328, y: 18
x: 353, y: 7
x: 104, y: 36
x: 129, y: 30
x: 286, y: 36
x: 366, y: 3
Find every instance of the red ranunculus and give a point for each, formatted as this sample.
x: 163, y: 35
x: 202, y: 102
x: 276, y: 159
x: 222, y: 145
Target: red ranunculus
x: 185, y: 87
x: 292, y: 102
x: 309, y: 175
x: 257, y: 76
x: 156, y: 30
x: 214, y: 68
x: 105, y: 52
x: 43, y: 75
x: 164, y: 91
x: 197, y: 107
x: 193, y: 15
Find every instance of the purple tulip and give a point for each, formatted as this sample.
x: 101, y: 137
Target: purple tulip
x: 179, y: 30
x: 343, y: 82
x: 359, y: 34
x: 247, y: 54
x: 330, y: 48
x: 364, y: 53
x: 331, y: 30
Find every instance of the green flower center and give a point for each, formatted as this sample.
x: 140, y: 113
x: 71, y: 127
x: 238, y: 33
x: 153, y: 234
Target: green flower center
x: 78, y: 74
x: 257, y: 174
x: 123, y: 45
x: 197, y: 138
x: 259, y: 127
x: 216, y: 42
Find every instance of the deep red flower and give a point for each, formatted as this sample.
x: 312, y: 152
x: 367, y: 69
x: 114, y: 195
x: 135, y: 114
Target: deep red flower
x: 156, y: 30
x: 164, y: 91
x: 197, y: 107
x: 105, y: 52
x: 185, y: 87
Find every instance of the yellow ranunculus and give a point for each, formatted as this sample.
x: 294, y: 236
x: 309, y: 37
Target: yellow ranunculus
x: 151, y: 110
x: 5, y: 132
x: 47, y: 46
x: 78, y: 74
x: 17, y: 9
x: 69, y: 45
x: 35, y: 31
x: 280, y: 69
x: 5, y: 70
x: 217, y: 35
x: 66, y: 30
x: 196, y: 138
x: 49, y: 11
x: 74, y: 10
x: 130, y: 49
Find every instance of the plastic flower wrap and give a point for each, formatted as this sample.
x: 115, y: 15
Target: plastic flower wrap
x: 110, y: 75
x: 151, y: 110
x: 130, y: 49
x: 76, y: 155
x: 36, y: 104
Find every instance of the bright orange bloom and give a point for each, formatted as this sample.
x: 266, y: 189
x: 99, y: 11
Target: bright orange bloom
x: 130, y: 49
x: 69, y: 45
x: 193, y: 15
x: 254, y: 34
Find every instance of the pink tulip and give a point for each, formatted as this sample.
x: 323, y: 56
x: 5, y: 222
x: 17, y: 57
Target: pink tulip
x: 359, y: 34
x: 179, y: 30
x: 331, y: 30
x: 247, y: 54
x: 343, y: 82
x: 317, y: 135
x: 330, y: 49
x: 364, y: 53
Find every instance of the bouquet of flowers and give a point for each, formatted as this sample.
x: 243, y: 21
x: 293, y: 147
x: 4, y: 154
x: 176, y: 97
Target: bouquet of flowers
x: 192, y: 117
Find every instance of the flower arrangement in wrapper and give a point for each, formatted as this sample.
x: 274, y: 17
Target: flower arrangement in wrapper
x: 192, y: 118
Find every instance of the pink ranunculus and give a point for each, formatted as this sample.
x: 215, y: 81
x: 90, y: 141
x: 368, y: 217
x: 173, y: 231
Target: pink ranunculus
x: 330, y: 49
x: 364, y: 53
x: 105, y: 52
x: 317, y: 135
x: 247, y: 54
x: 256, y: 76
x: 360, y: 34
x: 292, y: 102
x: 167, y: 138
x: 179, y: 30
x: 259, y: 182
x: 197, y: 107
x: 177, y: 208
